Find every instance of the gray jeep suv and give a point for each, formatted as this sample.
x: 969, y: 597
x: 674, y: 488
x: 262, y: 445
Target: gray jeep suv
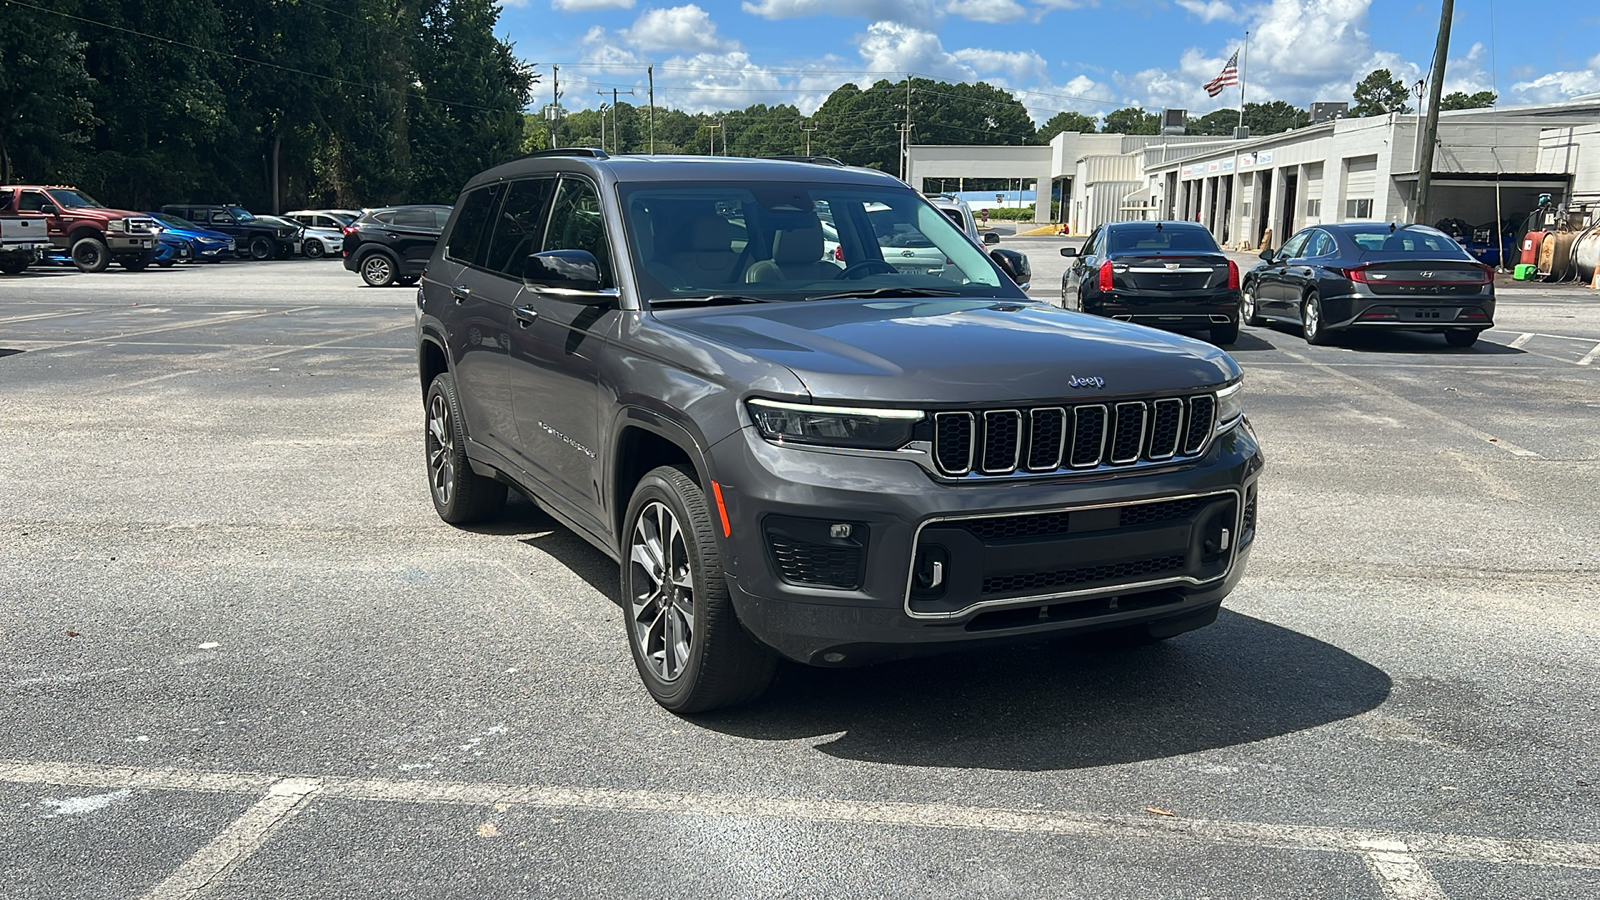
x: 790, y: 457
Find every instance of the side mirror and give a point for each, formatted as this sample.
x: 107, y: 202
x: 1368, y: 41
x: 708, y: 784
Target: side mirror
x: 569, y: 274
x: 1266, y: 255
x: 49, y: 209
x: 1013, y: 264
x: 1069, y: 251
x: 990, y: 237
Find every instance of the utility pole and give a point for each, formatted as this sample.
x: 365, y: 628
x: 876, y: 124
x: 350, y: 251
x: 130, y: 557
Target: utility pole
x: 712, y: 127
x: 602, y: 122
x: 650, y: 73
x: 1416, y: 152
x: 616, y: 128
x: 555, y: 105
x: 808, y: 129
x: 905, y: 136
x: 1425, y: 172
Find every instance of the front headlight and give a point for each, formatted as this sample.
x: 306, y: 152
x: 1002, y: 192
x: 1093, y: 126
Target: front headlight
x: 117, y: 225
x: 856, y: 428
x: 1230, y: 405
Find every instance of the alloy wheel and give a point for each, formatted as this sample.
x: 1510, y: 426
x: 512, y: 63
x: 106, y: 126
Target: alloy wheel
x: 375, y: 270
x: 441, y: 449
x: 1311, y: 318
x: 1247, y: 306
x: 661, y: 608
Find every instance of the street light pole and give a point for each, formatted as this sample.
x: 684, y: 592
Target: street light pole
x: 808, y: 129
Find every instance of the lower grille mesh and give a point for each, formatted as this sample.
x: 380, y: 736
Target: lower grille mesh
x: 801, y: 562
x: 1008, y: 584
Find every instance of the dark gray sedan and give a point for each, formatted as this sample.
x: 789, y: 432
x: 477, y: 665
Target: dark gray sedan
x: 1329, y: 278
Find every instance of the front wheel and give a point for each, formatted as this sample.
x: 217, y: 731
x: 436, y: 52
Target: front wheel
x: 136, y: 263
x: 314, y: 250
x: 15, y: 266
x: 90, y: 254
x: 1315, y: 330
x: 689, y: 648
x: 261, y: 248
x: 1225, y: 334
x: 1463, y: 338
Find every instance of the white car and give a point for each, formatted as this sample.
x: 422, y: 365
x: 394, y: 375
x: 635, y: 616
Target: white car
x: 324, y: 231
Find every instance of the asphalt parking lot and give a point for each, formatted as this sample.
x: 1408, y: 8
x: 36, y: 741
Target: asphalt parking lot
x: 242, y: 657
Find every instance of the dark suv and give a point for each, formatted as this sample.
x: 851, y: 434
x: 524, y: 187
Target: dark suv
x: 797, y: 452
x: 256, y: 238
x: 392, y: 245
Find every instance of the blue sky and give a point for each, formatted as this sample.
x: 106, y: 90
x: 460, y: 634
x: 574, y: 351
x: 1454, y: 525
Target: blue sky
x: 1086, y: 55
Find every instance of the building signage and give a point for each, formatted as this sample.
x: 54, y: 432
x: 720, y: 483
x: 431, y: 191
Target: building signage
x: 1264, y: 157
x: 1227, y: 165
x: 1213, y: 166
x: 1247, y: 160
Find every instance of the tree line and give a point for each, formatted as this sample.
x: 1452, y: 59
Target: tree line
x: 282, y: 103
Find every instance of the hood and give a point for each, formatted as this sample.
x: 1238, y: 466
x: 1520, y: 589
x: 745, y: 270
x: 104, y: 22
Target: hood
x: 956, y: 351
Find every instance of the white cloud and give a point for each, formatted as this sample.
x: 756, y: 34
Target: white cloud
x: 1558, y: 86
x: 708, y: 82
x: 1210, y: 10
x: 1017, y: 65
x: 598, y: 50
x: 676, y: 28
x: 578, y: 5
x: 919, y: 13
x: 987, y: 10
x: 516, y: 4
x: 892, y: 47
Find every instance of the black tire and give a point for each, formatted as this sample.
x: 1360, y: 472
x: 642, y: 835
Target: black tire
x: 14, y: 266
x: 313, y: 249
x: 718, y: 664
x: 1225, y: 334
x: 166, y: 263
x: 1248, y: 311
x: 261, y: 247
x: 90, y: 254
x: 460, y: 495
x: 136, y: 263
x: 407, y: 280
x: 284, y: 251
x: 377, y: 269
x: 1461, y: 338
x: 1311, y: 320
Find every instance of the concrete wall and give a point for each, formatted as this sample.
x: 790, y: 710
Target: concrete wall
x: 949, y: 161
x: 1574, y: 151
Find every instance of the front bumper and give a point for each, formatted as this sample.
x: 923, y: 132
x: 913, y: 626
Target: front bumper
x: 781, y: 503
x: 130, y: 243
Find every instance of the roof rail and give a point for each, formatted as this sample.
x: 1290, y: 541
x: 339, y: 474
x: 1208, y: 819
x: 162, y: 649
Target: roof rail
x: 587, y: 152
x: 815, y: 160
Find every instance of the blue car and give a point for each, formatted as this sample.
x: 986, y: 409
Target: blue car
x: 172, y: 249
x: 203, y: 244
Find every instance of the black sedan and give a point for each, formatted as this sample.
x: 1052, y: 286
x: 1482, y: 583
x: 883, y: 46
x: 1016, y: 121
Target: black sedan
x: 1169, y: 275
x: 1330, y: 278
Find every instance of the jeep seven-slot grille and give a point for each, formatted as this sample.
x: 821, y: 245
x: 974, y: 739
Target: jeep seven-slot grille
x: 1086, y: 436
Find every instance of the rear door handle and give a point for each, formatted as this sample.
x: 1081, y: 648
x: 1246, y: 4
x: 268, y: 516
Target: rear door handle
x: 526, y: 315
x: 462, y: 293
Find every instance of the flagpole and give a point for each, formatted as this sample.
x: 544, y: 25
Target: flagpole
x: 1244, y: 70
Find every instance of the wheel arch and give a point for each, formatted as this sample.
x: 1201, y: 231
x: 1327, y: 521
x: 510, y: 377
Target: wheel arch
x: 83, y: 231
x: 644, y: 441
x: 432, y: 360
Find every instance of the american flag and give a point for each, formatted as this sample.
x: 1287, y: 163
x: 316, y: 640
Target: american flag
x: 1229, y: 76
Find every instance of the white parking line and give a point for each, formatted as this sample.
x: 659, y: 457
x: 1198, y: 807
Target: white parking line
x: 1394, y: 857
x: 212, y: 863
x: 1591, y: 356
x: 1522, y: 341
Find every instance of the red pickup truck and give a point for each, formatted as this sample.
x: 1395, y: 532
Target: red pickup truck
x: 94, y: 235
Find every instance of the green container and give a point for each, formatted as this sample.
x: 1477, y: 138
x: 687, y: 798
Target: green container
x: 1523, y: 271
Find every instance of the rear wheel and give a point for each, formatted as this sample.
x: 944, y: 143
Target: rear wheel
x: 1225, y: 334
x: 314, y: 250
x: 136, y: 263
x: 377, y: 270
x: 261, y: 247
x: 1462, y: 338
x: 89, y: 254
x: 166, y: 263
x: 689, y: 648
x: 1316, y: 331
x: 406, y: 280
x: 14, y: 266
x: 1248, y: 313
x: 460, y: 495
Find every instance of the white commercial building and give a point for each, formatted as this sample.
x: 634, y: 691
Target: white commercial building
x: 1489, y: 164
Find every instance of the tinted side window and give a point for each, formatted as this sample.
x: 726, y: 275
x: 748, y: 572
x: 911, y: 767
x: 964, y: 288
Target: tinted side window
x: 1292, y: 250
x: 1090, y: 247
x: 441, y: 218
x: 1321, y: 245
x: 32, y: 201
x: 576, y: 224
x: 469, y: 236
x: 384, y: 218
x: 415, y: 218
x: 519, y: 228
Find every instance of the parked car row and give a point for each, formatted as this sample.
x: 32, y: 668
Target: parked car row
x: 55, y: 223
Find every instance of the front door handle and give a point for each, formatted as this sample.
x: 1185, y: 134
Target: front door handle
x: 462, y: 293
x: 525, y: 315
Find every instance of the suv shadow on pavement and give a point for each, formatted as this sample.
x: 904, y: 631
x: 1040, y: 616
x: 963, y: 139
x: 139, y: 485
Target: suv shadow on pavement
x: 1069, y: 704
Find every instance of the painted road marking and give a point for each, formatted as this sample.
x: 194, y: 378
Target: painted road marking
x: 1417, y: 408
x: 1591, y: 356
x: 211, y: 864
x: 1387, y: 852
x: 1522, y: 341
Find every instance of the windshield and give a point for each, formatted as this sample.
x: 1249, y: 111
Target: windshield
x: 175, y: 222
x: 68, y: 199
x: 239, y: 214
x: 790, y: 241
x: 1411, y: 240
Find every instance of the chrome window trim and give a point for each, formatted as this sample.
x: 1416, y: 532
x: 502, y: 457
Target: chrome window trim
x: 1104, y: 590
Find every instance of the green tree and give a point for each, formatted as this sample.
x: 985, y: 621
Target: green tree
x: 1463, y: 100
x: 1131, y: 120
x: 1380, y: 92
x: 47, y: 116
x: 1066, y: 122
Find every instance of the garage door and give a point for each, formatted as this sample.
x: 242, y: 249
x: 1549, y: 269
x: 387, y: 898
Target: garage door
x: 1360, y: 186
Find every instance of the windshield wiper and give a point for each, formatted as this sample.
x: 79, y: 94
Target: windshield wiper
x: 888, y: 292
x: 705, y: 299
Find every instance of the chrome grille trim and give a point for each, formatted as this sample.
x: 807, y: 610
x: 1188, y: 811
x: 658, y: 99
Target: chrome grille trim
x: 1053, y: 462
x: 1165, y: 449
x: 1070, y: 439
x: 992, y: 421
